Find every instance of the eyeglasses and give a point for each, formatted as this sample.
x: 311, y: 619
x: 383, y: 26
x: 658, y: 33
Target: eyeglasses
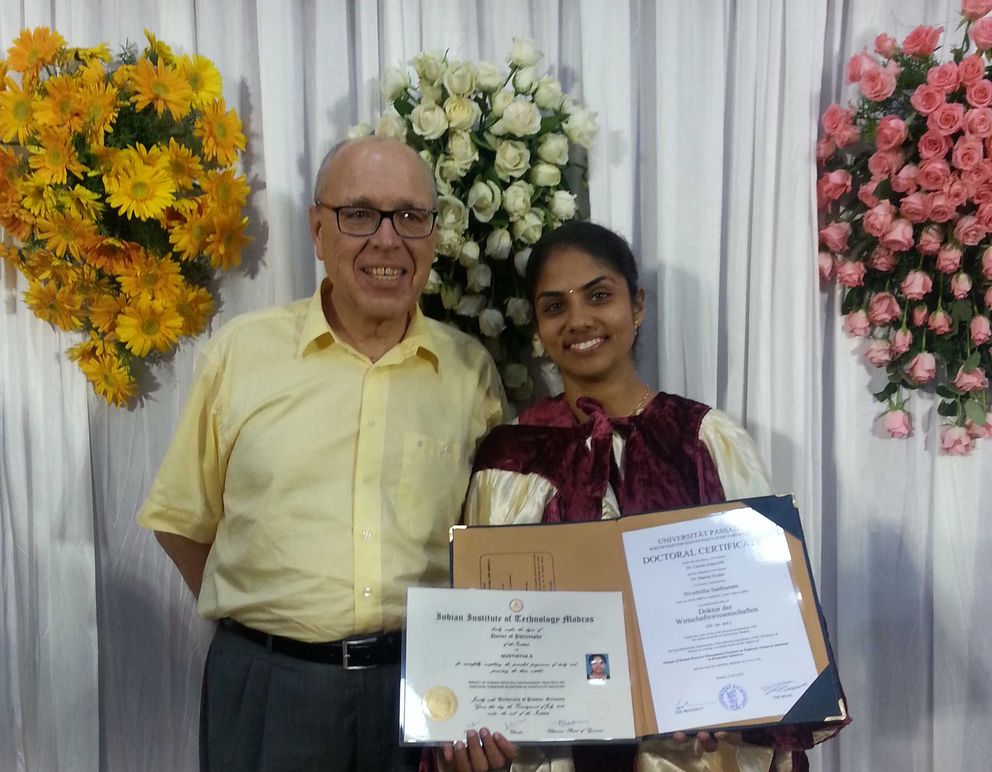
x: 365, y: 220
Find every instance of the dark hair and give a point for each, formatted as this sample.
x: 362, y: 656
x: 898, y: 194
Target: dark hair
x: 598, y: 242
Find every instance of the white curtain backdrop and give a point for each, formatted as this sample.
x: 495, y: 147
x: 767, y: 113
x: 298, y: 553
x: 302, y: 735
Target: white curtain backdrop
x: 708, y: 114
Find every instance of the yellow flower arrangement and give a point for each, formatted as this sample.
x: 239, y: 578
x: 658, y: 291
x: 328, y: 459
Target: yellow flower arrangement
x: 118, y: 181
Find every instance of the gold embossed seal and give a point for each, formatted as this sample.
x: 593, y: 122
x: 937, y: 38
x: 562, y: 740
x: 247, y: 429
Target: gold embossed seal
x: 440, y: 703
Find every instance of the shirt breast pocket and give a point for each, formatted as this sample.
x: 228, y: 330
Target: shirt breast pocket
x: 433, y: 479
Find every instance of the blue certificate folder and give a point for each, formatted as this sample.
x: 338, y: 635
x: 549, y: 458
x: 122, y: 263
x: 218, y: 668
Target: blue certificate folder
x: 590, y: 556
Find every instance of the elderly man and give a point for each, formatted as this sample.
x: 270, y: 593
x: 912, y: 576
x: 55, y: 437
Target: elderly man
x: 320, y: 459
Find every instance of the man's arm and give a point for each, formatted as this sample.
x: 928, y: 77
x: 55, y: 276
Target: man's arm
x: 188, y: 555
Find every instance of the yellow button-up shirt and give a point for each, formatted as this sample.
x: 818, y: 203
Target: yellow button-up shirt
x: 325, y: 482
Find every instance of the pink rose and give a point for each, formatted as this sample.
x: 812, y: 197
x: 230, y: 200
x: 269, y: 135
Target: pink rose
x: 961, y: 285
x: 901, y: 341
x: 916, y: 285
x: 988, y: 298
x: 899, y: 237
x: 948, y: 258
x: 987, y: 263
x: 975, y: 176
x: 835, y: 118
x: 877, y: 353
x: 941, y: 207
x: 850, y: 273
x: 834, y: 184
x: 944, y: 77
x: 930, y: 240
x: 879, y: 219
x: 967, y: 153
x: 905, y: 180
x: 933, y: 174
x: 946, y: 119
x: 847, y: 135
x: 882, y: 260
x: 921, y: 41
x: 968, y: 230
x: 978, y: 122
x: 825, y: 264
x: 975, y: 9
x: 920, y: 315
x: 877, y: 83
x: 825, y: 149
x: 971, y: 381
x: 970, y: 69
x: 922, y: 368
x: 933, y: 145
x: 866, y: 193
x: 884, y: 163
x: 981, y: 34
x: 886, y: 45
x: 982, y: 194
x: 883, y: 308
x: 926, y: 99
x: 984, y: 216
x: 980, y: 329
x: 940, y: 322
x: 915, y: 208
x: 856, y: 323
x: 835, y: 236
x: 857, y: 65
x: 954, y: 440
x: 979, y: 93
x: 891, y: 132
x: 957, y: 191
x: 897, y: 424
x: 981, y: 432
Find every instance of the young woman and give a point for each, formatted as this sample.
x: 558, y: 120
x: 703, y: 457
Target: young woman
x: 609, y: 446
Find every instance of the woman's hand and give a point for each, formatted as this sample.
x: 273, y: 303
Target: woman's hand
x: 703, y: 742
x: 481, y: 752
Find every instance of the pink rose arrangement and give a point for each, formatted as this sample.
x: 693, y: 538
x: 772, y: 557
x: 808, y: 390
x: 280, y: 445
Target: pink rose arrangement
x: 905, y: 198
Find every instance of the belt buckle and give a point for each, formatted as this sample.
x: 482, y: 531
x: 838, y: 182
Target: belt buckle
x: 346, y: 657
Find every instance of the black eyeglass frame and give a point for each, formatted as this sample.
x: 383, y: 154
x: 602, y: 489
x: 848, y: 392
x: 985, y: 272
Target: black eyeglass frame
x: 383, y: 215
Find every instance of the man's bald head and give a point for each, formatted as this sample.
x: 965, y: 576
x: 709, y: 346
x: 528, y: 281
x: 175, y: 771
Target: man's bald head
x: 341, y: 151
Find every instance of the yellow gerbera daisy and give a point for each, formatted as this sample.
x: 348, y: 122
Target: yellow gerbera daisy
x: 86, y: 203
x: 17, y: 108
x: 149, y: 324
x: 156, y: 49
x: 161, y: 86
x: 92, y: 56
x: 221, y: 133
x: 224, y: 191
x: 104, y: 311
x: 152, y: 277
x: 111, y: 379
x: 195, y: 305
x: 61, y: 306
x: 33, y: 49
x: 47, y: 266
x: 184, y: 166
x: 99, y: 109
x: 140, y: 190
x: 189, y: 236
x: 110, y: 255
x: 36, y: 197
x: 87, y: 350
x: 17, y: 222
x: 225, y: 240
x: 65, y: 231
x: 61, y: 106
x: 203, y: 79
x: 55, y: 158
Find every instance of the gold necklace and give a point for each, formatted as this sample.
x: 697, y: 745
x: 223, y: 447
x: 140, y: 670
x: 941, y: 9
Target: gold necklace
x: 643, y: 400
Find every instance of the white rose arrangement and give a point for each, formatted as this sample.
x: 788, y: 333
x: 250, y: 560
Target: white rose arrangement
x: 507, y: 148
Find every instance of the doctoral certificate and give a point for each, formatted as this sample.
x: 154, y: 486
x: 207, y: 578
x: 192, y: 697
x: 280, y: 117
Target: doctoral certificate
x: 534, y: 666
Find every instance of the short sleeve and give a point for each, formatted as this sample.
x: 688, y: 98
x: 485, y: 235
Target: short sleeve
x: 742, y: 474
x: 500, y: 497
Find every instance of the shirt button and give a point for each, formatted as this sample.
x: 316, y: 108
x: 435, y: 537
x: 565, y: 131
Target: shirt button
x: 367, y: 534
x: 367, y: 592
x: 367, y: 479
x: 371, y: 422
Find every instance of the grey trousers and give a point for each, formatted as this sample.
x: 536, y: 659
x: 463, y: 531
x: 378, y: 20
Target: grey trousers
x: 266, y: 712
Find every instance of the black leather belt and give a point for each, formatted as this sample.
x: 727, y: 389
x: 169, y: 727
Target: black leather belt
x: 355, y: 653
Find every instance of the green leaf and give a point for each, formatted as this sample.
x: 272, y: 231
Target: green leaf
x: 403, y: 106
x: 883, y: 189
x: 854, y: 299
x: 947, y: 392
x: 949, y: 409
x: 972, y: 362
x: 887, y: 392
x: 974, y: 411
x: 961, y: 311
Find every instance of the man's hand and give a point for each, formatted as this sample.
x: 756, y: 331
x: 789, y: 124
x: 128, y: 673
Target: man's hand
x: 480, y: 752
x: 188, y: 555
x: 704, y: 742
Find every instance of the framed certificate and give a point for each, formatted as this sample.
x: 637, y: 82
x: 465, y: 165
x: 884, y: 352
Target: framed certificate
x: 723, y: 628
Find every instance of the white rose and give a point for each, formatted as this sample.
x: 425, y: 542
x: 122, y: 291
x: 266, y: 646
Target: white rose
x: 393, y: 82
x: 562, y: 205
x: 451, y: 213
x: 428, y: 120
x: 451, y: 295
x: 580, y: 127
x: 528, y: 228
x: 391, y: 125
x: 536, y: 347
x: 428, y: 158
x: 520, y: 260
x: 501, y: 100
x: 448, y: 170
x: 462, y: 112
x: 484, y: 199
x: 430, y: 93
x: 449, y: 242
x: 433, y: 285
x: 460, y: 78
x: 521, y: 118
x: 553, y: 148
x: 524, y: 53
x: 430, y: 67
x: 498, y: 244
x: 524, y: 80
x: 518, y: 310
x: 568, y: 105
x: 469, y: 254
x: 491, y: 322
x: 514, y: 375
x: 548, y: 94
x: 545, y: 175
x: 516, y: 199
x: 470, y: 305
x: 462, y: 148
x: 478, y: 277
x: 512, y: 159
x: 490, y: 78
x: 358, y: 131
